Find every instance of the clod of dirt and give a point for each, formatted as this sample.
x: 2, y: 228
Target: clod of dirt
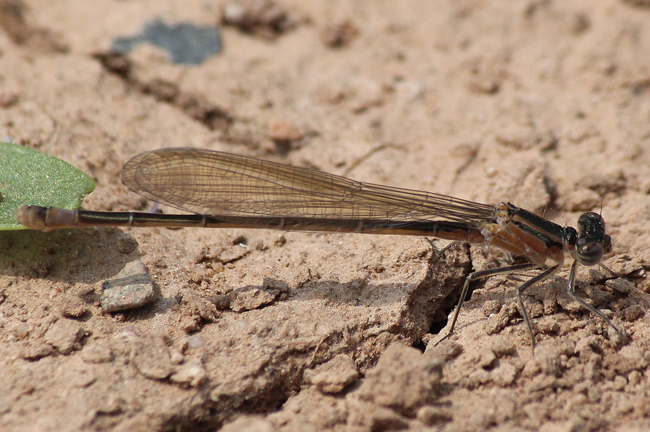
x: 502, y: 347
x: 262, y: 18
x: 333, y: 376
x: 249, y: 424
x: 98, y: 352
x: 340, y: 35
x: 148, y: 354
x: 251, y: 297
x: 35, y: 351
x: 8, y: 99
x: 190, y: 374
x: 197, y: 310
x: 621, y: 285
x: 16, y: 22
x: 403, y: 380
x: 73, y: 307
x: 64, y: 335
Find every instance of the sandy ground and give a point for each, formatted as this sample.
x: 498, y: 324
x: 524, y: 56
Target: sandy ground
x: 542, y: 103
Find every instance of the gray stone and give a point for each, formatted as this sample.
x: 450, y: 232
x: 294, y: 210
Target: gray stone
x: 130, y: 289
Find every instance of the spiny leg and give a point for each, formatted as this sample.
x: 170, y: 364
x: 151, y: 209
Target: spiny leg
x: 612, y: 272
x: 440, y: 252
x: 539, y: 278
x: 480, y: 275
x: 590, y: 308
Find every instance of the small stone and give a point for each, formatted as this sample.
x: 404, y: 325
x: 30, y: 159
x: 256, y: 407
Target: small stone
x: 125, y: 243
x: 176, y: 357
x: 64, y: 335
x: 262, y: 18
x: 476, y: 378
x: 487, y: 360
x: 617, y: 337
x: 131, y: 288
x: 333, y: 376
x: 195, y: 341
x: 22, y: 330
x: 586, y: 346
x: 550, y: 305
x: 81, y: 378
x: 634, y: 377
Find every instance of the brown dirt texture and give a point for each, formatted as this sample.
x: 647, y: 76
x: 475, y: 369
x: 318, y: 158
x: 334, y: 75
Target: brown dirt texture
x: 542, y: 103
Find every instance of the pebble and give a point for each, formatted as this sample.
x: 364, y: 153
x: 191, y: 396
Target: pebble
x: 22, y: 330
x: 195, y: 341
x: 125, y: 243
x: 130, y: 289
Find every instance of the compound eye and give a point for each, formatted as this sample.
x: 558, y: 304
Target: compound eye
x: 590, y: 222
x: 589, y: 253
x: 607, y: 244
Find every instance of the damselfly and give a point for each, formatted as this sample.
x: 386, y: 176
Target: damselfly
x: 225, y: 190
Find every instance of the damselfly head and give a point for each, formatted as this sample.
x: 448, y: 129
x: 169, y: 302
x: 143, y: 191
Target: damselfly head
x: 592, y: 242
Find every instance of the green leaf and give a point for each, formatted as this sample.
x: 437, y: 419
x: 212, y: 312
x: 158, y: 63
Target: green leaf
x: 29, y: 177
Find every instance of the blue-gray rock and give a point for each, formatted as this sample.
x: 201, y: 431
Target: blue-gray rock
x: 130, y: 289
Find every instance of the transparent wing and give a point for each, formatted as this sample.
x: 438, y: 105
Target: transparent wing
x: 222, y: 184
